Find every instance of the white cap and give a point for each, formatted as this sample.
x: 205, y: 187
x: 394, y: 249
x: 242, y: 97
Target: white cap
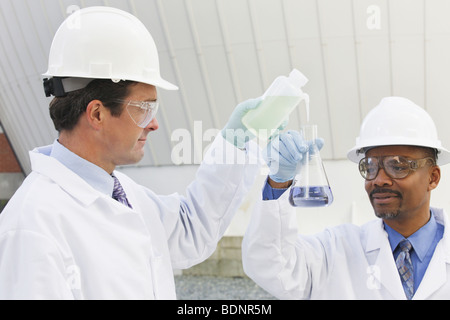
x: 297, y: 78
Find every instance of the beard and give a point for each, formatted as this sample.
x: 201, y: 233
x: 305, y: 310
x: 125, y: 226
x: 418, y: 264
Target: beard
x: 386, y: 213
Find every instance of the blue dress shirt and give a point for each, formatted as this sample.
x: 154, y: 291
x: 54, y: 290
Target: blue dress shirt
x: 95, y: 176
x: 270, y: 193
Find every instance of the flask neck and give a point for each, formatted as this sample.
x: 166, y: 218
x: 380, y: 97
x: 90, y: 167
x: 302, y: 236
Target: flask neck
x: 309, y: 132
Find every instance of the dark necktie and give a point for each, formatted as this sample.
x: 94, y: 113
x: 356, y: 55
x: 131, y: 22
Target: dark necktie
x: 119, y: 193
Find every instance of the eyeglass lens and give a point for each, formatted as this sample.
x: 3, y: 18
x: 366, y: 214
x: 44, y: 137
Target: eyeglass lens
x: 142, y: 116
x: 395, y: 167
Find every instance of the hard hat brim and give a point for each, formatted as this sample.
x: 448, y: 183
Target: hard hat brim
x: 161, y: 83
x: 157, y: 82
x: 357, y: 153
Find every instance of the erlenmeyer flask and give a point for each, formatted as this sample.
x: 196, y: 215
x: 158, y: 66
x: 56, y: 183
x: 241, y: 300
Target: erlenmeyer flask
x: 310, y: 187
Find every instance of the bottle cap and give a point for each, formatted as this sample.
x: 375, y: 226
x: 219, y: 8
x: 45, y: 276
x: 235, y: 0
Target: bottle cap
x: 297, y: 78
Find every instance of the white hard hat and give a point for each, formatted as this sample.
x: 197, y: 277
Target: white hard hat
x: 398, y: 121
x: 105, y: 43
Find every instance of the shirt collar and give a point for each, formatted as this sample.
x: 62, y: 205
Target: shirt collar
x: 95, y: 176
x: 421, y: 240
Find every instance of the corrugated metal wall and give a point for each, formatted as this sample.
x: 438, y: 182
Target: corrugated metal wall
x: 221, y: 52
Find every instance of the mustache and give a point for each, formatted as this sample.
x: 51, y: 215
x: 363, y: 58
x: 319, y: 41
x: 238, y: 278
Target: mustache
x: 385, y: 190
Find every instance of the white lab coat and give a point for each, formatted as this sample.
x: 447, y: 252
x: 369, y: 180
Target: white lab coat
x: 62, y: 239
x: 344, y: 262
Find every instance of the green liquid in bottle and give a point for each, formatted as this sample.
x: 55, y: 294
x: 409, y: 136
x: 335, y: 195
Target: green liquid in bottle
x: 269, y: 115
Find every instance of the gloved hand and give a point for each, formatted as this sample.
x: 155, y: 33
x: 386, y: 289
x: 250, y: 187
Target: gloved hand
x: 235, y: 131
x: 284, y: 154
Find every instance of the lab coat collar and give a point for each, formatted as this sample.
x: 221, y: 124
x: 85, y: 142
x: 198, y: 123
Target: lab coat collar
x: 42, y: 163
x: 379, y: 255
x: 442, y: 218
x: 421, y: 247
x: 377, y: 236
x: 378, y: 251
x: 96, y: 176
x: 436, y: 274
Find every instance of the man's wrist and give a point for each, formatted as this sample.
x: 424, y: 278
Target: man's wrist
x: 279, y: 185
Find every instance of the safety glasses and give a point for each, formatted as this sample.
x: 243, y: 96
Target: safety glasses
x: 142, y: 112
x: 396, y: 167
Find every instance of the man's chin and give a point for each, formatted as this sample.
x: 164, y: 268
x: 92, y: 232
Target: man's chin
x: 386, y: 214
x: 137, y: 157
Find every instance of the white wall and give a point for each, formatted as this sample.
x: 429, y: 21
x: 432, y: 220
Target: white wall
x: 351, y: 204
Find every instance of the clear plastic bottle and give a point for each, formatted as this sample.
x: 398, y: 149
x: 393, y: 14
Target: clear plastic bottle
x: 311, y: 187
x: 279, y: 100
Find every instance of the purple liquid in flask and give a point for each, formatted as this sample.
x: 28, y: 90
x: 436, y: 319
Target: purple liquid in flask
x: 312, y: 196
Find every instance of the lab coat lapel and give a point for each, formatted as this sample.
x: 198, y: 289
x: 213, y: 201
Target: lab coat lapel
x: 379, y: 255
x: 436, y: 274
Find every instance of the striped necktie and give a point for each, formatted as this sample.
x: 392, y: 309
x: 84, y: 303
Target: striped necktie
x: 405, y: 268
x: 119, y: 193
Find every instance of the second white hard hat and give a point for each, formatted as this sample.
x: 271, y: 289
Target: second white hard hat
x: 398, y: 121
x: 105, y: 43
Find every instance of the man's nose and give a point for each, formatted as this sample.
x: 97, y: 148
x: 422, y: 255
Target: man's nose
x: 382, y: 178
x: 153, y: 125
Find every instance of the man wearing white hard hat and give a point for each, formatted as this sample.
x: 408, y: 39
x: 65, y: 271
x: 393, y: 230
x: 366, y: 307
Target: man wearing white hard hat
x: 405, y: 254
x: 77, y: 228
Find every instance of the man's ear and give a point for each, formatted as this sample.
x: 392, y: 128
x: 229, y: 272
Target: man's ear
x: 95, y: 114
x: 435, y: 177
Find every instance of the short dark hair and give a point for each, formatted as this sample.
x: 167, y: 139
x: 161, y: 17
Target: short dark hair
x: 66, y: 111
